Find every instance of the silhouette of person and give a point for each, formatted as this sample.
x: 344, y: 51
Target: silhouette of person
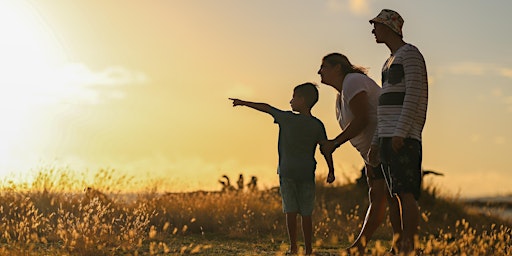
x: 356, y: 111
x: 240, y: 182
x: 401, y: 117
x: 299, y: 135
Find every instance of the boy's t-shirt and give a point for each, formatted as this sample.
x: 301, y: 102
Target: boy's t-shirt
x: 298, y: 139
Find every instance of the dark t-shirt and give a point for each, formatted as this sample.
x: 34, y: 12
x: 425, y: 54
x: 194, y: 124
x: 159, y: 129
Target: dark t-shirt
x: 298, y: 139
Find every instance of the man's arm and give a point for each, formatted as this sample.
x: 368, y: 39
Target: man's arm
x: 359, y: 107
x: 263, y: 107
x: 414, y: 68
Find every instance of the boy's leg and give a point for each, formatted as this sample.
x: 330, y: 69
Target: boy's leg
x: 289, y: 194
x: 306, y: 199
x: 307, y: 232
x: 291, y: 225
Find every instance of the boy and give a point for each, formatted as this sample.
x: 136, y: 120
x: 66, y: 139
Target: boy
x: 299, y: 135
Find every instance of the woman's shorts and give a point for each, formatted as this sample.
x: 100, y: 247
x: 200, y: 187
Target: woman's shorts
x: 374, y: 172
x: 297, y: 196
x: 402, y: 169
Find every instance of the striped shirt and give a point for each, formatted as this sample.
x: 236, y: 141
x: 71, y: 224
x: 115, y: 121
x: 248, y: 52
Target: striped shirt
x: 402, y: 106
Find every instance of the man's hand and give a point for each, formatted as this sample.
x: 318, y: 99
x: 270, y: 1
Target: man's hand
x: 330, y: 177
x: 397, y: 143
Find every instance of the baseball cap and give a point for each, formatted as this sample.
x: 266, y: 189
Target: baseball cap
x: 391, y: 19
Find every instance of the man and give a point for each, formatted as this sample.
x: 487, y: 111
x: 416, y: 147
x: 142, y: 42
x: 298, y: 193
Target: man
x: 401, y: 116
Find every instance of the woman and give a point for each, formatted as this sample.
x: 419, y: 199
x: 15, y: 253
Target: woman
x: 356, y: 111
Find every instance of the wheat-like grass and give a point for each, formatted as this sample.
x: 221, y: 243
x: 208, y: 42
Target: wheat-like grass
x: 62, y: 214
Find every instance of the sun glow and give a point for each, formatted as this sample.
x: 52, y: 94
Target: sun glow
x: 30, y: 54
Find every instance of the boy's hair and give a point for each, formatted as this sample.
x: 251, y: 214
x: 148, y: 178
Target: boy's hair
x: 309, y: 92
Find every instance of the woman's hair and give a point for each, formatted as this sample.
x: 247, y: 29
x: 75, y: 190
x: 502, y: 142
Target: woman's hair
x: 346, y: 67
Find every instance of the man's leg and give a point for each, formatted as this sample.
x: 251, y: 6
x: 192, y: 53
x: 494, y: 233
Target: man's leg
x: 291, y: 225
x: 395, y: 217
x: 307, y: 232
x: 410, y: 221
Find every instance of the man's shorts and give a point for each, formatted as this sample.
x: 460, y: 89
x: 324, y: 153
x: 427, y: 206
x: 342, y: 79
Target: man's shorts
x: 402, y: 169
x: 297, y: 196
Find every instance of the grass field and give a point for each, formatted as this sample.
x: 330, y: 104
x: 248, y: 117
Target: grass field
x: 54, y: 215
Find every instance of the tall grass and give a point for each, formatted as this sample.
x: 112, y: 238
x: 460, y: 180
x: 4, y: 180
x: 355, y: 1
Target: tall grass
x: 62, y: 214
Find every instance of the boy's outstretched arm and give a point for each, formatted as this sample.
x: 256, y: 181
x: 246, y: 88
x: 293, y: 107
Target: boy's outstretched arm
x: 328, y: 160
x: 263, y: 107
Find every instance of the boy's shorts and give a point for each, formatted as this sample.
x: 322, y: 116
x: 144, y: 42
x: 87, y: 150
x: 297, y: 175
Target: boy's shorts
x: 297, y: 196
x: 402, y: 169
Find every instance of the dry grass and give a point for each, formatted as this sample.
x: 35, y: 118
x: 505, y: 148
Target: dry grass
x: 55, y: 216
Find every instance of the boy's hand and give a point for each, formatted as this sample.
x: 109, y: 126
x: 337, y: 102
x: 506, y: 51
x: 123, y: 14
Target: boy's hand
x: 330, y: 177
x: 237, y: 102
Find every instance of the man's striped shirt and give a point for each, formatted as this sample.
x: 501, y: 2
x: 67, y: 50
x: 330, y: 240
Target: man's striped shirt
x: 402, y: 106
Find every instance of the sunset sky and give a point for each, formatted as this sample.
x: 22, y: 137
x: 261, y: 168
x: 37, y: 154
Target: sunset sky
x: 142, y: 87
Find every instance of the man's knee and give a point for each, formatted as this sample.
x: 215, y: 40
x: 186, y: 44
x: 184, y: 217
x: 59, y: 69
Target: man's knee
x: 407, y: 198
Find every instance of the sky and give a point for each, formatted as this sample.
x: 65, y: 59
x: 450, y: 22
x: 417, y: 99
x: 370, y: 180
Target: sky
x: 142, y: 87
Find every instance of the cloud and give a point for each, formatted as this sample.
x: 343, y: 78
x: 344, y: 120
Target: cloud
x: 499, y: 96
x: 500, y: 140
x: 359, y: 7
x: 487, y: 69
x: 497, y: 140
x: 506, y: 72
x: 69, y: 82
x: 468, y: 68
x: 335, y: 5
x: 497, y: 92
x: 508, y: 102
x: 94, y: 87
x: 478, y: 69
x: 120, y: 76
x: 475, y: 138
x: 356, y: 7
x: 80, y: 74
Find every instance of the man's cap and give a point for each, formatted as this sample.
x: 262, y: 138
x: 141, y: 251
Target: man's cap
x: 391, y: 19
